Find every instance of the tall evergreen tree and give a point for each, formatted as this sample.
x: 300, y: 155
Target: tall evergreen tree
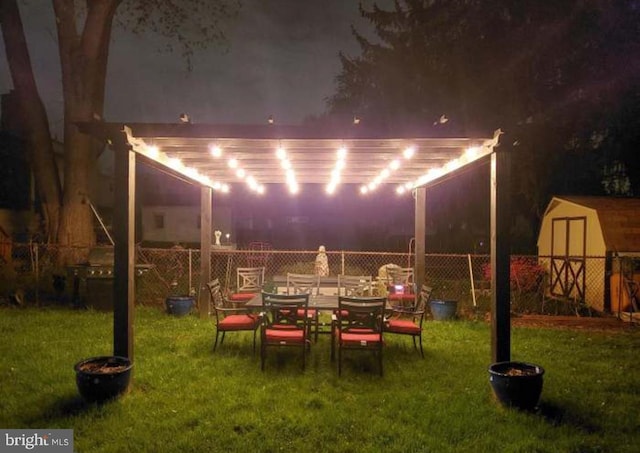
x: 561, y: 77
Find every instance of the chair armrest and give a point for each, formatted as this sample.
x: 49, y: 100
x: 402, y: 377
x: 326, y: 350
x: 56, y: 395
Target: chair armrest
x: 231, y: 310
x: 404, y: 311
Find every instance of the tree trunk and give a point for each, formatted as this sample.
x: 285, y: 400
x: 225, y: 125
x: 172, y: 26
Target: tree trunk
x: 33, y: 116
x: 83, y: 62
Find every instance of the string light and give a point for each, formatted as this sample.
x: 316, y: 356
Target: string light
x: 341, y: 156
x: 470, y: 154
x: 394, y: 165
x: 174, y: 162
x: 290, y: 175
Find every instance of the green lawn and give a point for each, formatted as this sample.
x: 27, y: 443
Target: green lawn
x: 185, y: 398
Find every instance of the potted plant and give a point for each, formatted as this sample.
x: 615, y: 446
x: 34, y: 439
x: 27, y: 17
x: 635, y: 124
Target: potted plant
x: 100, y: 379
x: 179, y: 304
x: 443, y: 309
x: 516, y: 384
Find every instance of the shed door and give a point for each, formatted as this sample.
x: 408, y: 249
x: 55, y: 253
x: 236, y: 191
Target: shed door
x: 568, y: 245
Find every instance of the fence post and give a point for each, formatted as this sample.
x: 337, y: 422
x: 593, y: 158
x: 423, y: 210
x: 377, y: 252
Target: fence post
x: 190, y: 275
x: 342, y: 262
x: 37, y: 260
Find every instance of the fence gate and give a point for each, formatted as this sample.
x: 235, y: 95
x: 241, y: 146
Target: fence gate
x: 568, y: 246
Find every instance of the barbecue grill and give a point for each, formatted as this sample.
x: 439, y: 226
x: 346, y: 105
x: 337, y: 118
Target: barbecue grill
x: 93, y: 279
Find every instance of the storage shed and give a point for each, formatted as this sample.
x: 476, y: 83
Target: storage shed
x: 582, y: 241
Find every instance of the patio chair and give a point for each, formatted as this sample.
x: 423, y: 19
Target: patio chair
x: 281, y: 324
x: 230, y: 319
x: 306, y: 284
x: 401, y: 286
x: 249, y: 282
x: 408, y: 321
x: 358, y: 326
x: 355, y: 285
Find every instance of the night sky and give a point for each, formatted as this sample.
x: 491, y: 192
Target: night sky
x: 280, y: 60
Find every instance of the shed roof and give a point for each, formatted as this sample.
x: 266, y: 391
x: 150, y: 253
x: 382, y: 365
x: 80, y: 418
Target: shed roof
x: 619, y: 219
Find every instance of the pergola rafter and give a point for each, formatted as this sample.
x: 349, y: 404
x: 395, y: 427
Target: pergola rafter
x: 312, y: 159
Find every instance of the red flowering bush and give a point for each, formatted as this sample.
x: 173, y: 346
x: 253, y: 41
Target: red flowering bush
x: 526, y: 274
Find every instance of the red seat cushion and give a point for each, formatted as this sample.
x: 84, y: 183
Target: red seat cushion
x: 402, y: 326
x: 242, y: 297
x: 402, y: 297
x: 239, y: 322
x: 286, y: 335
x: 311, y: 313
x: 359, y: 337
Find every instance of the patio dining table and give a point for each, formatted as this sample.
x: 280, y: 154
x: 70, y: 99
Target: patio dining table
x: 316, y: 301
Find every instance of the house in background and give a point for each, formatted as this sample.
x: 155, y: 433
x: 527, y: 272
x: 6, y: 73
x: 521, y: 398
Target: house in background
x: 168, y: 225
x: 169, y: 211
x: 583, y: 241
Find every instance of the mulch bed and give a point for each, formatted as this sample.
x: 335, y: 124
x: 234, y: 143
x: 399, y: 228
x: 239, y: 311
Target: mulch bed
x: 608, y: 323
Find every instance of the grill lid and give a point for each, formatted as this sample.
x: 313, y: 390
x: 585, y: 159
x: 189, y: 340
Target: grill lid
x: 101, y: 256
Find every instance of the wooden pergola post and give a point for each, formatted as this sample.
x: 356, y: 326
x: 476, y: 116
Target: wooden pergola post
x: 205, y: 250
x: 500, y: 254
x: 420, y: 236
x: 124, y: 247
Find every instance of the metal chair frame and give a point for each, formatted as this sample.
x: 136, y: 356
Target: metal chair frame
x: 281, y: 324
x: 358, y: 325
x: 355, y: 285
x: 249, y: 279
x: 223, y: 309
x: 398, y: 319
x: 306, y: 284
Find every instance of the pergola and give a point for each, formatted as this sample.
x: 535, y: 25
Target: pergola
x: 215, y: 156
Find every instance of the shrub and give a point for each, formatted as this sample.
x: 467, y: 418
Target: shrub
x: 526, y: 274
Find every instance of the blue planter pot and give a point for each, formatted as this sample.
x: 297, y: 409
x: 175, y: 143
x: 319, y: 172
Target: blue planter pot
x: 100, y: 379
x: 443, y: 309
x: 516, y: 384
x: 179, y: 305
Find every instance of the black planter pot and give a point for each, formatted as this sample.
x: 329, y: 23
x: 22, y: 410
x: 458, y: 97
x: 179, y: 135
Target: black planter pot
x: 516, y: 384
x: 179, y: 305
x: 100, y: 379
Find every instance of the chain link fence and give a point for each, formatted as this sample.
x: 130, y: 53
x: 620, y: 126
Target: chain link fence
x: 32, y: 274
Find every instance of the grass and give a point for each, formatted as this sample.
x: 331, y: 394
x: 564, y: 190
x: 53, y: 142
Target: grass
x: 185, y: 398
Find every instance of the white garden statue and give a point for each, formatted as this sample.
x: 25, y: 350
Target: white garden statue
x: 217, y: 234
x: 322, y: 263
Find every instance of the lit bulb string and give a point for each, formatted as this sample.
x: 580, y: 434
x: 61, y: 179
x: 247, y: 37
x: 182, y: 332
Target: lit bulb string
x: 470, y: 155
x: 234, y: 166
x: 154, y: 153
x: 393, y: 166
x: 336, y: 173
x: 287, y: 167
